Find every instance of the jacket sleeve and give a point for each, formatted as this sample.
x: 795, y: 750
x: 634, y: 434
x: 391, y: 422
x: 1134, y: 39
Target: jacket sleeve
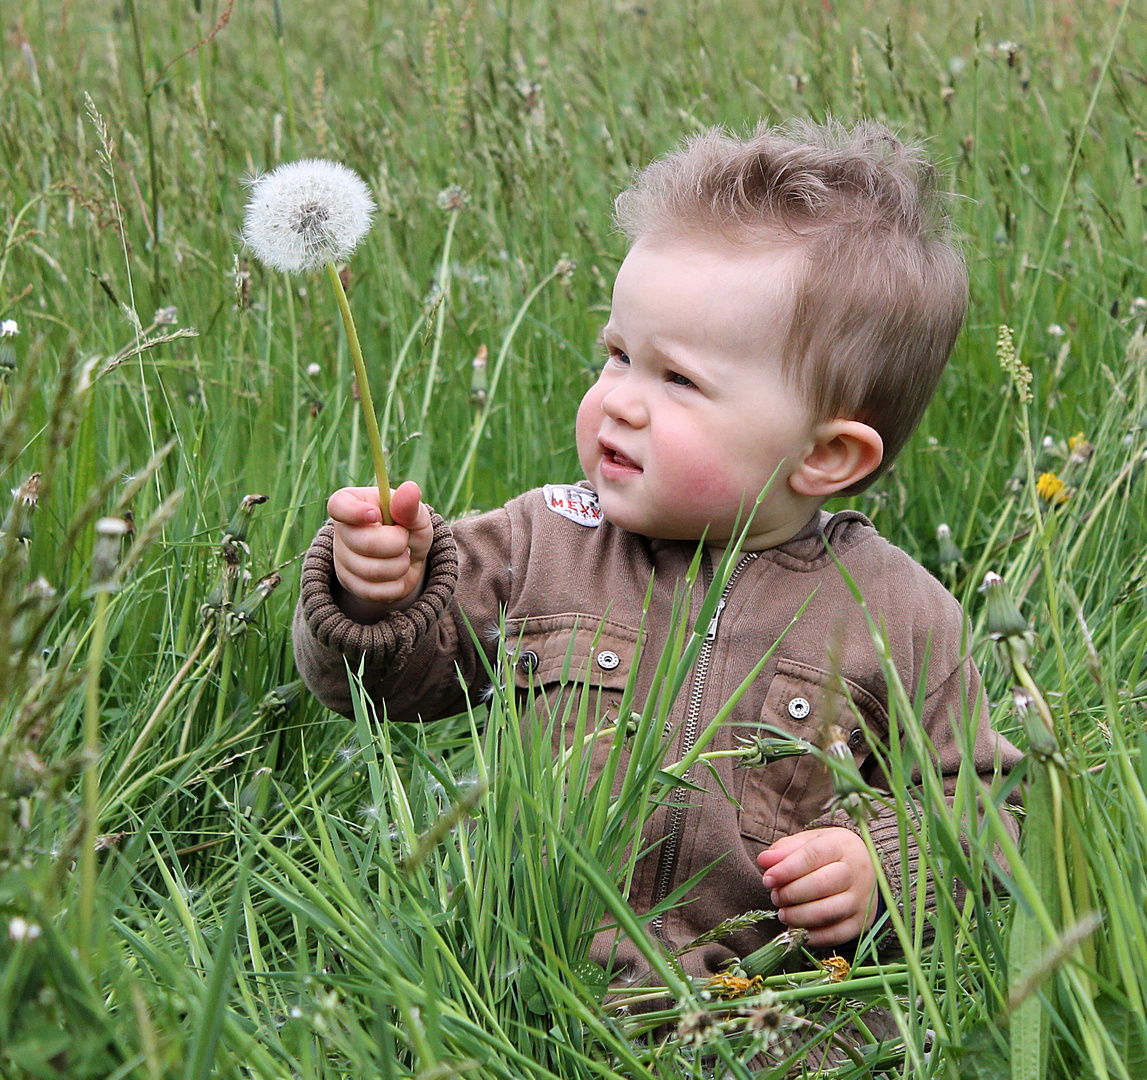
x: 419, y: 663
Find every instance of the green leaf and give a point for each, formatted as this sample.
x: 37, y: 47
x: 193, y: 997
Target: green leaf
x: 1127, y: 1031
x: 984, y: 1054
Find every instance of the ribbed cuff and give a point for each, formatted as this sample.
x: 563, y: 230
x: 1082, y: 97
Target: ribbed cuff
x: 390, y: 640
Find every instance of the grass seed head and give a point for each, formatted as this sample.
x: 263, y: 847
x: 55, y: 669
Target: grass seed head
x: 305, y: 214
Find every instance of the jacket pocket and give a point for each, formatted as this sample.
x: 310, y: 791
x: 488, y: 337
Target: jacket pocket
x: 787, y: 795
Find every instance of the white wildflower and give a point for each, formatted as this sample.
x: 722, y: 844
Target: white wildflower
x: 8, y: 328
x: 305, y: 214
x: 1055, y: 330
x: 313, y: 370
x: 21, y: 930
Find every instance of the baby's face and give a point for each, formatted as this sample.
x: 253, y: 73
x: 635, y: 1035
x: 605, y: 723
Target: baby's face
x: 691, y: 415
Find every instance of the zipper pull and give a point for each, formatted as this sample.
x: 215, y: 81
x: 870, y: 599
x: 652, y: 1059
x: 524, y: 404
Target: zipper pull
x: 711, y: 633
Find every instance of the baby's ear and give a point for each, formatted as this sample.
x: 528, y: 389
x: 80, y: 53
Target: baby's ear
x: 845, y: 452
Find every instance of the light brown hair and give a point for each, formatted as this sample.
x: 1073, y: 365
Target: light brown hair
x: 884, y: 289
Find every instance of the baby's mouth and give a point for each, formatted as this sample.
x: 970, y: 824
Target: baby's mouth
x: 616, y: 457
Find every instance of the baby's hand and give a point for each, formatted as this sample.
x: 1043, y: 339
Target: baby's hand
x: 823, y: 880
x: 379, y: 566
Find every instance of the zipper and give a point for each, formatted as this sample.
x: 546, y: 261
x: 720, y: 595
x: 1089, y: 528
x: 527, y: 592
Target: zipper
x: 667, y: 862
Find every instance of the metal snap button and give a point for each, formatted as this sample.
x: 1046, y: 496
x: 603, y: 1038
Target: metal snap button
x: 799, y: 708
x: 856, y: 738
x: 607, y: 660
x: 528, y: 661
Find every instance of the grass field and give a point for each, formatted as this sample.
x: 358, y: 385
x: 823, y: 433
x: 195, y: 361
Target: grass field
x: 202, y: 872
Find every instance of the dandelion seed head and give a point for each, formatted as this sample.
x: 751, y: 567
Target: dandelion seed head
x: 305, y: 214
x: 8, y: 328
x: 1055, y: 330
x: 314, y: 370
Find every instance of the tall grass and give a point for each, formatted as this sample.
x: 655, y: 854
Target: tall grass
x: 276, y: 891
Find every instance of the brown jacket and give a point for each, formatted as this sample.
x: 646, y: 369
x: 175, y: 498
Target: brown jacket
x: 558, y: 571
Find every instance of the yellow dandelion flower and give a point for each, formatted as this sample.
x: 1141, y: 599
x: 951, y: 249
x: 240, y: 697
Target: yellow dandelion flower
x: 1051, y: 488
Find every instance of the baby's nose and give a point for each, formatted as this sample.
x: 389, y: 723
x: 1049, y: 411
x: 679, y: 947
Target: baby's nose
x: 626, y: 405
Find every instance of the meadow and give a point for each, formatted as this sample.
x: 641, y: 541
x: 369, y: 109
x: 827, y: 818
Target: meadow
x: 205, y: 873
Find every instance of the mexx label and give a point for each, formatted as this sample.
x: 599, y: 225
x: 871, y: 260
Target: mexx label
x: 575, y: 503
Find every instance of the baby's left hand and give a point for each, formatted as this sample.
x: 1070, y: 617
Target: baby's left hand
x: 823, y: 880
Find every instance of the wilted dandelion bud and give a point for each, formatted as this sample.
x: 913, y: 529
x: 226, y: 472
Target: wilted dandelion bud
x: 478, y: 385
x: 105, y: 555
x: 305, y: 214
x: 281, y: 700
x: 8, y: 328
x: 25, y: 498
x: 950, y: 554
x: 759, y: 750
x: 768, y: 957
x: 236, y: 530
x: 850, y: 793
x: 245, y: 611
x: 1036, y: 721
x: 1004, y: 618
x: 29, y: 617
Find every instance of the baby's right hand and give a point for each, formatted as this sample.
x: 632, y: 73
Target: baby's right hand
x: 379, y: 566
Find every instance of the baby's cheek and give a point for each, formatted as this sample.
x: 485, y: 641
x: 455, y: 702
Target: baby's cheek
x: 704, y: 477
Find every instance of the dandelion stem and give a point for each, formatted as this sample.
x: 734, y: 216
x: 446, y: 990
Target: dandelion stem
x: 91, y: 778
x: 364, y: 395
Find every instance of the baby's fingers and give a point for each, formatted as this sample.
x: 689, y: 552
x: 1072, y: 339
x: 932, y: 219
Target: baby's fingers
x: 355, y: 506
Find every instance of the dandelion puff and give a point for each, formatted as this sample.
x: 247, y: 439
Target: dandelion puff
x: 305, y: 214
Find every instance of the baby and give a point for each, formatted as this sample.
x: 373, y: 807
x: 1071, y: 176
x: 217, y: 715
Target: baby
x: 785, y: 310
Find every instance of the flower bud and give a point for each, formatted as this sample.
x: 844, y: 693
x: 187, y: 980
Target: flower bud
x: 1004, y: 618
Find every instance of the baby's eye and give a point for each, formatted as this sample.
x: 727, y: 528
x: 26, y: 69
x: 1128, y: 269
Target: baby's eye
x: 677, y: 379
x: 619, y: 357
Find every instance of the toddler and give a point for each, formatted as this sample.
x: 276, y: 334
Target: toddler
x: 785, y: 310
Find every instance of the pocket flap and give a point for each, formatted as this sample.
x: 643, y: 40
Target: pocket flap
x: 571, y: 649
